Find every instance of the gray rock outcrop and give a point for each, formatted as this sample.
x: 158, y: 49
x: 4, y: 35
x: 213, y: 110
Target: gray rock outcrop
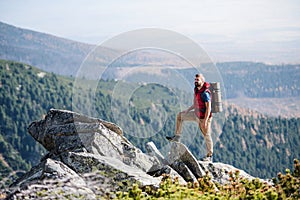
x: 185, y: 164
x: 90, y: 158
x: 64, y: 131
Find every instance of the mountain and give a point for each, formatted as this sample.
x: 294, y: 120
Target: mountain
x: 64, y: 57
x: 27, y: 93
x: 47, y: 52
x: 269, y: 89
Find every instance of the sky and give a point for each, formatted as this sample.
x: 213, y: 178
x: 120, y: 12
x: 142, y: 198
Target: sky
x: 229, y: 30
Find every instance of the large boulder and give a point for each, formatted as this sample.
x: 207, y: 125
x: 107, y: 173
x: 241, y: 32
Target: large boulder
x: 79, y: 146
x: 64, y: 131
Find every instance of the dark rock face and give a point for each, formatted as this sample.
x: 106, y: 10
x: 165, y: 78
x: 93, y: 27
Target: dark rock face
x: 90, y: 158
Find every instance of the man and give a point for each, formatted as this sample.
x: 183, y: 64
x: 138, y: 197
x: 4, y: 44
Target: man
x: 199, y: 112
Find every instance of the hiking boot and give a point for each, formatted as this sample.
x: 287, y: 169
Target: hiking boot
x: 174, y: 138
x: 207, y: 159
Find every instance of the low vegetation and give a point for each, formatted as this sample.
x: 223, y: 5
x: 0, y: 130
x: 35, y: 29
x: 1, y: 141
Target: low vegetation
x: 285, y: 186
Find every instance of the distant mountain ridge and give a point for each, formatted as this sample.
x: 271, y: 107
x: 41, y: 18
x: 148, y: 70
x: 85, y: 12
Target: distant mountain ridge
x: 47, y: 52
x: 63, y: 56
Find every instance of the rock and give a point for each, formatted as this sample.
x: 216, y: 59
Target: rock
x: 190, y: 169
x: 159, y: 167
x: 93, y: 176
x: 78, y: 146
x: 90, y: 158
x: 183, y: 171
x: 64, y: 131
x: 49, y: 173
x: 180, y: 154
x: 163, y: 166
x: 219, y: 172
x: 153, y: 151
x: 86, y: 163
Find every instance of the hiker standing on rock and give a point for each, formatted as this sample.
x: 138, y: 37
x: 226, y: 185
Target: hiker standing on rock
x: 199, y: 112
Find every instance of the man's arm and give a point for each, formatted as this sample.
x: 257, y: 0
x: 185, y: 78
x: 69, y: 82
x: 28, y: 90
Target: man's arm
x: 207, y: 111
x: 206, y: 116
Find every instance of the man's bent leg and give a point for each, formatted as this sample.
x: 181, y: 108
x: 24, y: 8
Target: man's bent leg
x: 181, y: 117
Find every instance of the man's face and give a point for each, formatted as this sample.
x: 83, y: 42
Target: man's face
x: 198, y: 82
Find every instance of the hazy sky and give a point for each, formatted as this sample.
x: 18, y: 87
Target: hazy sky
x: 255, y: 30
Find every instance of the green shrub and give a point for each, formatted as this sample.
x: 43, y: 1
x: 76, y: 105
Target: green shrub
x: 285, y: 186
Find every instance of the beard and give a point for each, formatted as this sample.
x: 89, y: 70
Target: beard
x: 197, y: 84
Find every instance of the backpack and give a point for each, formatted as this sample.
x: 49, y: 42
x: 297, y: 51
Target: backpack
x: 216, y: 101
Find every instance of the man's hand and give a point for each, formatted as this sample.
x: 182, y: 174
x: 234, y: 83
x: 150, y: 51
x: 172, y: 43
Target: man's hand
x: 204, y: 125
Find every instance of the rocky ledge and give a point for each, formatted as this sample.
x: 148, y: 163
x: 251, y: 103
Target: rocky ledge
x: 90, y: 158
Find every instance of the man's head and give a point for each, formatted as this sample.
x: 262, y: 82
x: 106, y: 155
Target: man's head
x: 199, y: 80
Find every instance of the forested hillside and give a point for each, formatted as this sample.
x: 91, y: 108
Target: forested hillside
x: 258, y: 80
x: 25, y: 95
x: 260, y: 145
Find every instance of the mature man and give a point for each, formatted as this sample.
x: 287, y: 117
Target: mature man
x: 199, y: 112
